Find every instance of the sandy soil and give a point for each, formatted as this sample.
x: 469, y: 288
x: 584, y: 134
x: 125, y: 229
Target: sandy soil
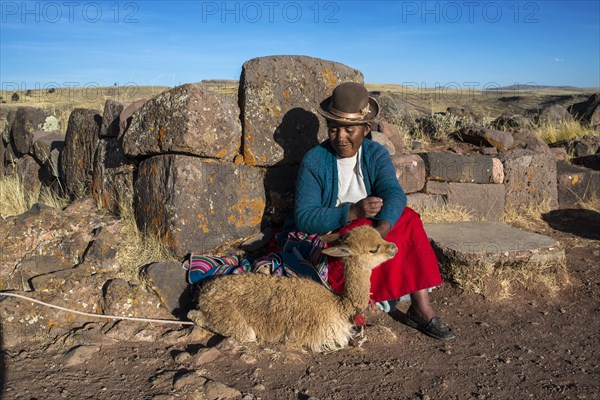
x: 531, y: 346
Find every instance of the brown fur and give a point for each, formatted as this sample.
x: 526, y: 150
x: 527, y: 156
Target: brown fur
x: 297, y: 311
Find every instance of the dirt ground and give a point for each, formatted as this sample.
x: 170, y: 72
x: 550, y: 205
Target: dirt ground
x: 531, y: 346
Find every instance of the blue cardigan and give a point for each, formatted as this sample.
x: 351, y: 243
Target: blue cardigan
x: 317, y: 188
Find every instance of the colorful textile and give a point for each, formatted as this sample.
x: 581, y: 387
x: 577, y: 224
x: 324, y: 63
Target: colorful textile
x: 300, y: 255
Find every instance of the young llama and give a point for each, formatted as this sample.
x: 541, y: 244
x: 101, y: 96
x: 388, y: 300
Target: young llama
x: 296, y: 311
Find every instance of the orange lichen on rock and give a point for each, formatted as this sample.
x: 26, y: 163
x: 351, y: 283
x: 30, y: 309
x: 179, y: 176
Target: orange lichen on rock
x: 161, y: 134
x: 330, y: 79
x: 202, y: 222
x: 248, y: 212
x: 222, y: 153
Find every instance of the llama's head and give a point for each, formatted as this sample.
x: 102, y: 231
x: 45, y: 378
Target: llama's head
x: 363, y: 243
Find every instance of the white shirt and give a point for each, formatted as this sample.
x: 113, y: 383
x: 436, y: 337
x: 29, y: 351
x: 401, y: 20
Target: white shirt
x: 351, y: 185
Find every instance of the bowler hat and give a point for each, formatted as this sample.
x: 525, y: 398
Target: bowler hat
x: 349, y: 104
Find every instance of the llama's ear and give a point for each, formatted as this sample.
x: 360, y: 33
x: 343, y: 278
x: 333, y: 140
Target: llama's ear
x: 338, y: 251
x: 330, y: 237
x: 334, y: 237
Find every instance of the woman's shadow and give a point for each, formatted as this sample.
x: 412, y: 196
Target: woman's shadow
x: 297, y: 133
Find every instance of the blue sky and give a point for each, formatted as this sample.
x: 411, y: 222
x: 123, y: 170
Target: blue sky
x: 445, y: 43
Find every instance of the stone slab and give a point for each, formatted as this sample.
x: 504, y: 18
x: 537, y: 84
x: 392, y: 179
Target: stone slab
x: 279, y: 96
x: 197, y: 205
x: 435, y: 187
x: 458, y: 168
x: 477, y: 242
x: 482, y: 201
x: 81, y: 141
x: 410, y: 172
x: 168, y: 280
x: 484, y: 136
x: 112, y: 179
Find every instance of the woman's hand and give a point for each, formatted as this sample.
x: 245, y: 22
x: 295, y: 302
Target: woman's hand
x: 365, y: 208
x: 383, y: 227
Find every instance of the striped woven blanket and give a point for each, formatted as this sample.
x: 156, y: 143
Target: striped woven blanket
x: 300, y: 255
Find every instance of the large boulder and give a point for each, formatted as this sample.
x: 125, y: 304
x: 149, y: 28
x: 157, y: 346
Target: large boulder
x: 46, y: 148
x: 196, y: 205
x: 81, y: 141
x: 481, y: 136
x: 112, y: 179
x: 530, y: 140
x: 555, y: 114
x: 511, y: 122
x: 279, y: 96
x: 186, y: 119
x: 583, y: 146
x: 10, y: 118
x: 392, y: 133
x: 458, y: 168
x: 27, y: 121
x: 588, y: 111
x: 410, y: 172
x: 576, y: 185
x: 394, y: 108
x: 530, y: 179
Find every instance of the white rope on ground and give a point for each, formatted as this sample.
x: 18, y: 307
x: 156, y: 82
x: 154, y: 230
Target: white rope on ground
x: 160, y: 321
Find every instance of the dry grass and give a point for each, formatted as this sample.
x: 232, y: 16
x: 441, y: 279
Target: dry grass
x: 138, y: 248
x: 527, y: 215
x: 563, y: 131
x: 443, y: 214
x: 15, y: 200
x: 499, y: 282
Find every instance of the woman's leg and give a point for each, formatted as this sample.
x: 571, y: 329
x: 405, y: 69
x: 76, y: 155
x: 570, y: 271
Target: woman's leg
x: 420, y: 303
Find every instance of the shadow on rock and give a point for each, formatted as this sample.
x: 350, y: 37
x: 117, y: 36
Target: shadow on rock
x: 579, y: 222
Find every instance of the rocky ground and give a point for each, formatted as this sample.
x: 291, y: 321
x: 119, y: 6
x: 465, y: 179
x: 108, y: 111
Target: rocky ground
x: 530, y: 346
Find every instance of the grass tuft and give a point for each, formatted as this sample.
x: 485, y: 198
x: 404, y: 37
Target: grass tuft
x: 567, y: 130
x: 527, y: 215
x: 443, y: 214
x: 138, y: 248
x: 14, y: 199
x: 498, y: 282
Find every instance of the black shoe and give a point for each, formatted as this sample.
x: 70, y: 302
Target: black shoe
x: 434, y: 328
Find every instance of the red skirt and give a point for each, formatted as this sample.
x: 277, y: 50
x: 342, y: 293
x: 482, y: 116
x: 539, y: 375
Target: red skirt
x: 413, y: 268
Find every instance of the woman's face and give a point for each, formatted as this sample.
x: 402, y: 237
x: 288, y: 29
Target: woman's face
x: 347, y: 139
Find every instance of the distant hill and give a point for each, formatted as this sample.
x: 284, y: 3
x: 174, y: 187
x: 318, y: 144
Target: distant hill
x: 534, y: 87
